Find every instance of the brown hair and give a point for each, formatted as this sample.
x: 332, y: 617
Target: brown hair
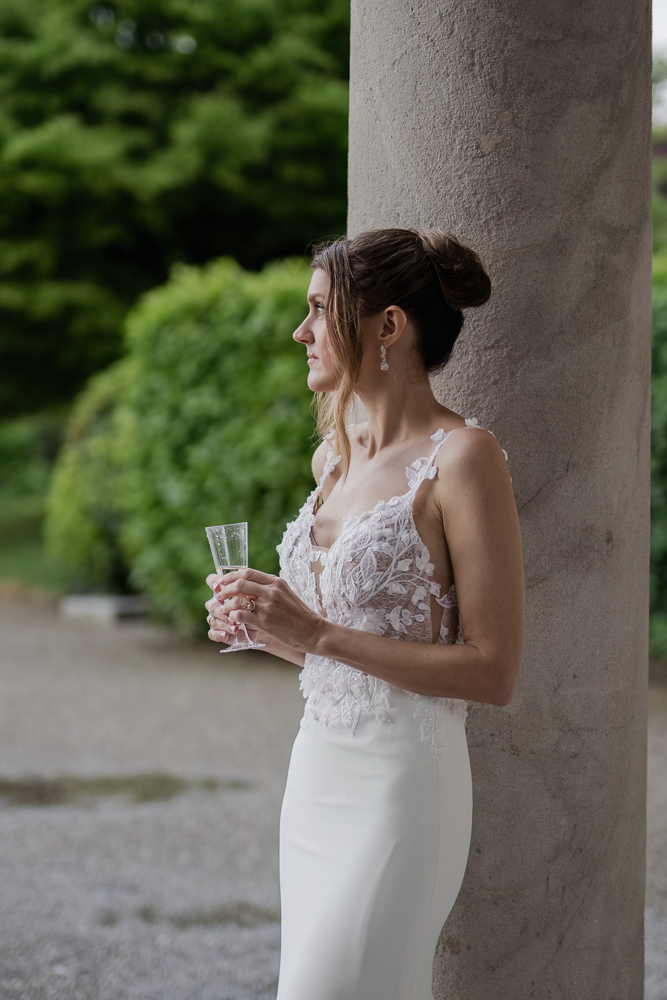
x: 428, y: 273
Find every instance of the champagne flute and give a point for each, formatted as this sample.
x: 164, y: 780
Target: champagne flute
x: 229, y: 548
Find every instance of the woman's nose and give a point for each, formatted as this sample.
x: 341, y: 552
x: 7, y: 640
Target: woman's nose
x: 302, y: 334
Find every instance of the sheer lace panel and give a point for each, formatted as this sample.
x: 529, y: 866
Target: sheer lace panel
x: 377, y: 576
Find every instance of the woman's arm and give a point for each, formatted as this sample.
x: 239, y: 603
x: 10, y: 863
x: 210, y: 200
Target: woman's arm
x: 474, y: 494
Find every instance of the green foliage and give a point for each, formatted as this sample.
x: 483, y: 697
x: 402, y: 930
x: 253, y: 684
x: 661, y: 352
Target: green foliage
x: 659, y: 457
x: 206, y: 421
x: 84, y: 508
x: 221, y: 423
x: 28, y: 447
x: 659, y: 189
x: 137, y: 133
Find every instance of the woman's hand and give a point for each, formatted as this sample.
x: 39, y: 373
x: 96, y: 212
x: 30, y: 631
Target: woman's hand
x: 221, y: 628
x: 279, y: 617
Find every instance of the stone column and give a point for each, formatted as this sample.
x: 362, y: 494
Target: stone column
x: 525, y: 128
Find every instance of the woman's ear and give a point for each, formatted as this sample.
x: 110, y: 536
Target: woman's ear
x: 394, y: 323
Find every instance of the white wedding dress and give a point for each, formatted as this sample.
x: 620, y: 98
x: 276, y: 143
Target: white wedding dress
x: 375, y: 824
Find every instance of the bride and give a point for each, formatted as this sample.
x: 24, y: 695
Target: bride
x: 401, y: 595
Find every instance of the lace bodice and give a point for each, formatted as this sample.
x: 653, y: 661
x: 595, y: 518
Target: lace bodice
x: 377, y: 576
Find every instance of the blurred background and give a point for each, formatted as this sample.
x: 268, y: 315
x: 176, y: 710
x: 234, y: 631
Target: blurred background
x: 164, y: 167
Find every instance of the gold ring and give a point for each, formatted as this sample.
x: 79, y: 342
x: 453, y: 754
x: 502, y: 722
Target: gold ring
x: 250, y: 606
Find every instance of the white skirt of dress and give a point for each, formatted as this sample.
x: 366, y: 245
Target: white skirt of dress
x: 374, y: 839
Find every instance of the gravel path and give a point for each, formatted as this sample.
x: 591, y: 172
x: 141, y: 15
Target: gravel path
x: 106, y: 898
x: 140, y: 786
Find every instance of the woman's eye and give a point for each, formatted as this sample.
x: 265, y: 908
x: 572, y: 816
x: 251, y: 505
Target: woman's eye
x: 319, y: 308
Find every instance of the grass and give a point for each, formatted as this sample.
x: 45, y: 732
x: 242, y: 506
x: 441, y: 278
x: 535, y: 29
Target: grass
x: 241, y: 913
x: 72, y: 790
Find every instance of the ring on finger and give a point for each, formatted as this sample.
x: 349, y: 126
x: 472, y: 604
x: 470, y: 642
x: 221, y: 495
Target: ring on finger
x: 250, y: 606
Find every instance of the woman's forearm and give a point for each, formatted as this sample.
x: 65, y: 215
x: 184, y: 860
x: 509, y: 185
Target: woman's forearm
x: 433, y: 669
x: 285, y: 652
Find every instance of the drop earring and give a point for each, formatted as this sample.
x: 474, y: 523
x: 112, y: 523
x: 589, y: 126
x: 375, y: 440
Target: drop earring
x: 384, y: 367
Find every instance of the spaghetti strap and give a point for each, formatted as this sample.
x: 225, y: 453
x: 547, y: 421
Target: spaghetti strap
x: 329, y: 465
x: 424, y: 468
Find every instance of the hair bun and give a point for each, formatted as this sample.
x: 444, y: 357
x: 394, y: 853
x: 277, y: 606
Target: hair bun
x: 461, y: 274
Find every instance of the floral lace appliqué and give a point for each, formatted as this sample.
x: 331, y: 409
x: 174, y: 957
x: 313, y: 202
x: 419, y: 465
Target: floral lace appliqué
x: 376, y: 577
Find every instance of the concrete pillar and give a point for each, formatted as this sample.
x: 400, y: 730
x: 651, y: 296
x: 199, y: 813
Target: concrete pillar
x: 525, y: 127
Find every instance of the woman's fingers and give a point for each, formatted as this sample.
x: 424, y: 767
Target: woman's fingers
x: 219, y: 606
x: 240, y: 588
x: 219, y: 624
x: 241, y: 602
x: 217, y: 635
x: 219, y: 613
x: 251, y: 576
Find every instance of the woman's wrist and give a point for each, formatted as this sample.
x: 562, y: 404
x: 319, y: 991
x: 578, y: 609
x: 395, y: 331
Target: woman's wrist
x: 322, y: 639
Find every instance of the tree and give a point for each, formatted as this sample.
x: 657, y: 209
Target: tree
x: 142, y: 132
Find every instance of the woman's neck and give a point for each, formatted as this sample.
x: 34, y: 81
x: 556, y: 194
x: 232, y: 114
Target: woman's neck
x: 398, y: 411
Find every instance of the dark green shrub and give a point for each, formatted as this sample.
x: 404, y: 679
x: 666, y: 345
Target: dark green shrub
x: 84, y: 506
x: 207, y: 420
x: 220, y: 424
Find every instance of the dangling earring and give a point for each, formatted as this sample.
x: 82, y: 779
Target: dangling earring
x: 384, y: 367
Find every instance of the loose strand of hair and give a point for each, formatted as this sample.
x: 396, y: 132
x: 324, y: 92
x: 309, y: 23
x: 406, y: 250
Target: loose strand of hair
x: 343, y: 331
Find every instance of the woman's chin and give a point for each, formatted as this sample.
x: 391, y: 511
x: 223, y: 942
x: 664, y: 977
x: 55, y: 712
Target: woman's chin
x: 320, y: 383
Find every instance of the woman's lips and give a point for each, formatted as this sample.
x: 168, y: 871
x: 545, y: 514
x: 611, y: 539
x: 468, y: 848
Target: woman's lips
x: 311, y: 358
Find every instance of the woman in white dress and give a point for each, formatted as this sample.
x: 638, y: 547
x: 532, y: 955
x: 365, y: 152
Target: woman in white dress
x: 401, y: 595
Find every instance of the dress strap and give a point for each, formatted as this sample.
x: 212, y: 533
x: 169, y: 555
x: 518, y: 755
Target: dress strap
x: 330, y: 462
x: 424, y: 468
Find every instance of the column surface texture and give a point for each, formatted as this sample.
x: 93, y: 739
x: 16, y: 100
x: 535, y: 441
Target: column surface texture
x: 525, y: 128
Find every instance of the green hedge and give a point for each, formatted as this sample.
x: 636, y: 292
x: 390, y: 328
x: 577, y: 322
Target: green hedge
x: 210, y: 423
x: 84, y: 511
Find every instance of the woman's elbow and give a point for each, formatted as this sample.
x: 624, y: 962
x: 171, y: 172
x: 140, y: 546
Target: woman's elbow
x: 502, y: 697
x: 503, y: 679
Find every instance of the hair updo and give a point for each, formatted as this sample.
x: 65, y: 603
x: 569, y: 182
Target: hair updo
x: 428, y: 273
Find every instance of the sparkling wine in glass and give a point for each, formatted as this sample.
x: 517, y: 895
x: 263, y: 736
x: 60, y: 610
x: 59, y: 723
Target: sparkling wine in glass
x: 229, y: 548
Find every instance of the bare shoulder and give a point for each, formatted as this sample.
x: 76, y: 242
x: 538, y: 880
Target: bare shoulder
x: 472, y: 456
